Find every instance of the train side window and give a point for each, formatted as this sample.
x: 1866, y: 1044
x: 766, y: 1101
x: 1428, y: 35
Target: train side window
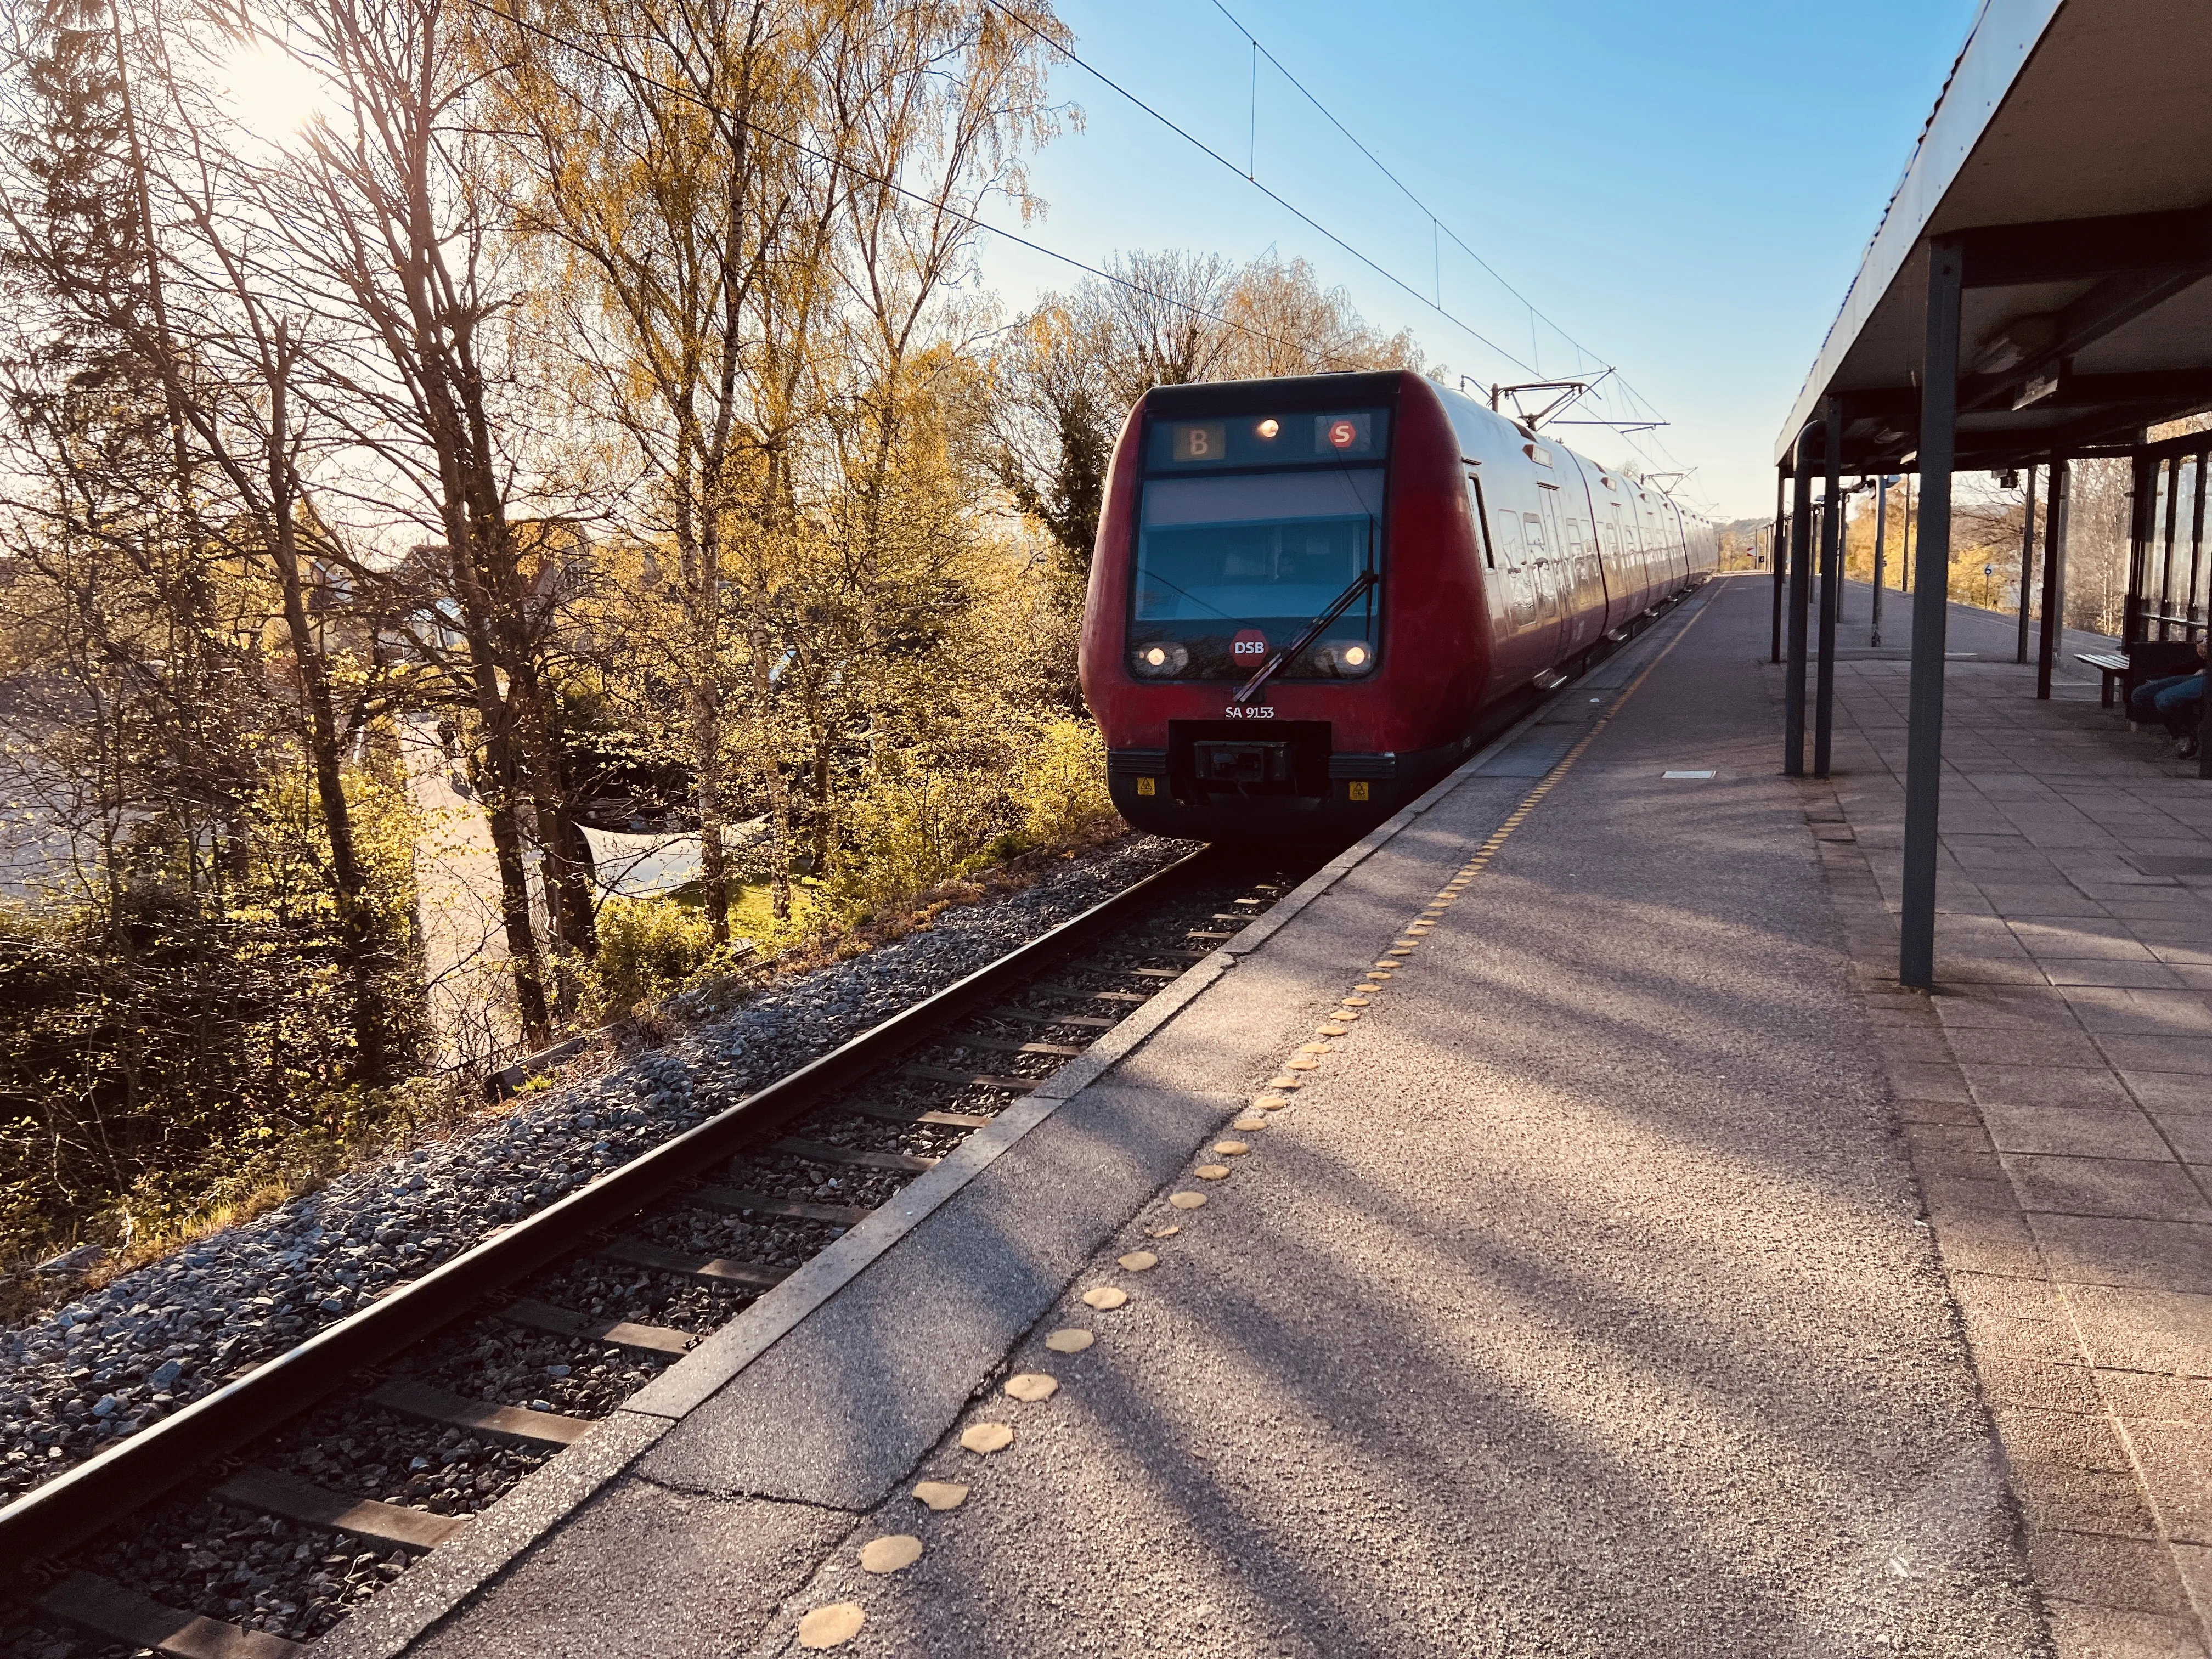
x: 1481, y: 522
x: 1505, y: 534
x: 1533, y: 529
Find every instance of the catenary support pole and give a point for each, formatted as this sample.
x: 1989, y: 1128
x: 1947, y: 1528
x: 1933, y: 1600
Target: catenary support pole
x: 1801, y: 595
x: 1923, y: 751
x: 1831, y: 589
x: 2027, y: 564
x: 2054, y: 577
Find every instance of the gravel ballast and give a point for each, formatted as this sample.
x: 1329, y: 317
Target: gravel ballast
x: 118, y: 1359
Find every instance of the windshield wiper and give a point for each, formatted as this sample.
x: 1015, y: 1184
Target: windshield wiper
x: 1365, y: 580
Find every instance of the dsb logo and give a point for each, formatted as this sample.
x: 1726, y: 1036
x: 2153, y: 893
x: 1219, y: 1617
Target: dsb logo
x: 1249, y: 643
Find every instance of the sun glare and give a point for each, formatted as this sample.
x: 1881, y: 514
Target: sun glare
x: 274, y: 97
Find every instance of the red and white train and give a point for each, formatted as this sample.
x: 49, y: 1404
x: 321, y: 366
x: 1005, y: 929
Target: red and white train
x: 1311, y: 598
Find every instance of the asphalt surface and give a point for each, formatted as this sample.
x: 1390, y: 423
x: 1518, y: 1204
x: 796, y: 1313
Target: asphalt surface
x: 1581, y: 1304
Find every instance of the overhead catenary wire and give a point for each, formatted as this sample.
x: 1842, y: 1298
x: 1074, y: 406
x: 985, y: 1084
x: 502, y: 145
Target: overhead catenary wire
x: 1537, y: 314
x: 1290, y: 208
x: 1248, y: 174
x: 939, y: 204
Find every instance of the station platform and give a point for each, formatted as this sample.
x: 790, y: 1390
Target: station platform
x: 1583, y: 1298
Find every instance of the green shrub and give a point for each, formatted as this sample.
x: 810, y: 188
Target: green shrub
x: 649, y: 948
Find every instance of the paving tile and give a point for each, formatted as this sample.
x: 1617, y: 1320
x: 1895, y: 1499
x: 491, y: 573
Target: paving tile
x: 2189, y: 1136
x: 2046, y: 1086
x: 2190, y: 1055
x: 2001, y: 1008
x: 1940, y: 1111
x: 2056, y: 940
x: 2059, y: 1497
x: 2177, y: 1468
x: 2146, y: 1255
x: 1988, y: 1242
x: 2151, y: 974
x: 2167, y: 1331
x: 2073, y: 1440
x: 2168, y: 1091
x: 2134, y: 1574
x: 2057, y: 1045
x: 2152, y: 1013
x: 2073, y: 1131
x: 2087, y: 1631
x: 2147, y: 1190
x: 1927, y: 1083
x: 2147, y: 1397
x: 1949, y: 1138
x: 1949, y: 1194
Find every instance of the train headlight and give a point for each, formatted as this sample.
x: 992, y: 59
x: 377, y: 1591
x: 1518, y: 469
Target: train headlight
x: 1161, y: 660
x: 1345, y: 658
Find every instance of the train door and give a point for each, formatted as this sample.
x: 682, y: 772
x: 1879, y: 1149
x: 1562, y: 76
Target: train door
x: 1542, y: 535
x: 1518, y: 581
x: 1497, y: 571
x: 1585, y: 590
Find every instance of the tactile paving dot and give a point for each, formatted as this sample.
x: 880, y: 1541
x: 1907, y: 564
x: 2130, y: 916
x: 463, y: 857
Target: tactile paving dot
x: 1231, y: 1148
x: 1305, y: 1063
x: 1211, y: 1172
x: 891, y: 1555
x: 1285, y: 1082
x: 1140, y: 1261
x: 1105, y: 1299
x: 942, y: 1494
x: 1032, y: 1386
x: 1271, y: 1102
x: 1171, y: 1230
x: 1069, y: 1339
x: 1334, y: 1028
x: 1183, y: 1202
x: 1251, y: 1121
x: 831, y: 1626
x: 987, y: 1437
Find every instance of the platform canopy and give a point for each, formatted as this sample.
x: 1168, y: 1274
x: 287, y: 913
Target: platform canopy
x: 2071, y: 153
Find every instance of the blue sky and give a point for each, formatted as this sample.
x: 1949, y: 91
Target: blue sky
x: 1685, y: 188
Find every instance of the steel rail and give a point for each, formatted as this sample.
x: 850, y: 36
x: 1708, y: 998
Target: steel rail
x: 131, y: 1474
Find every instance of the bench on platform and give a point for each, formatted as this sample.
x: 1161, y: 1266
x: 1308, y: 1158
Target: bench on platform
x: 2113, y: 664
x: 2146, y: 660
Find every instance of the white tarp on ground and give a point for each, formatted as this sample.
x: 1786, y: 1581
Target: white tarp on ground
x: 636, y: 866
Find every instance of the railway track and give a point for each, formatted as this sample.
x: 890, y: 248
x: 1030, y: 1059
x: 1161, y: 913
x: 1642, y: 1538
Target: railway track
x: 257, y: 1517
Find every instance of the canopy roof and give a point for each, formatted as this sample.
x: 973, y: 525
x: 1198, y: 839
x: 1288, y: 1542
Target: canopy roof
x: 2071, y: 152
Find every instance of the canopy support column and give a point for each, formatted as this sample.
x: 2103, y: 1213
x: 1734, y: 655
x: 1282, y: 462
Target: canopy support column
x: 1801, y: 597
x: 1880, y: 547
x: 2054, y: 578
x: 2027, y: 564
x: 1924, y: 755
x: 1832, y: 591
x: 1774, y: 555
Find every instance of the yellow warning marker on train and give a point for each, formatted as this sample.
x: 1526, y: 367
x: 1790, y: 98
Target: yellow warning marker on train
x: 1105, y: 1299
x: 1029, y: 1386
x: 942, y: 1494
x: 893, y: 1553
x: 1069, y: 1339
x: 987, y: 1437
x: 831, y: 1626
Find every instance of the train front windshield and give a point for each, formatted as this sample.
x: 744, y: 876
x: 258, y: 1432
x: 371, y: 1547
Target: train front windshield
x: 1251, y: 527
